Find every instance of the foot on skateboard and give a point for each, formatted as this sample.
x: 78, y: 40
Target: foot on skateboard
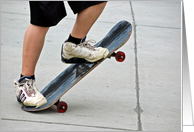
x: 83, y: 50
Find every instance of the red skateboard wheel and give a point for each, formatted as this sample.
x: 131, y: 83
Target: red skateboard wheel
x: 62, y: 107
x: 120, y: 56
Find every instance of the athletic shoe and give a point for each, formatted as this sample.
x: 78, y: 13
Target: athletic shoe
x: 27, y: 93
x: 83, y: 50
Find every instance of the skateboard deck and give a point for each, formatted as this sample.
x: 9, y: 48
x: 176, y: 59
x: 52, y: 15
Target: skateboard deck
x: 115, y: 38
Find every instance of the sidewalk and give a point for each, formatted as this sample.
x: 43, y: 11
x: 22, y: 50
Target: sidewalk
x: 142, y: 93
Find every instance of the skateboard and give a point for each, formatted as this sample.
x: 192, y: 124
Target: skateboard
x: 115, y: 38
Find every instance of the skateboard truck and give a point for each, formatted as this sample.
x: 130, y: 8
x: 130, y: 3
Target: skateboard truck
x: 119, y: 56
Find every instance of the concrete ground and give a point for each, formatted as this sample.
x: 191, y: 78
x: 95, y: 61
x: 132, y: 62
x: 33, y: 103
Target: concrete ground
x: 142, y: 93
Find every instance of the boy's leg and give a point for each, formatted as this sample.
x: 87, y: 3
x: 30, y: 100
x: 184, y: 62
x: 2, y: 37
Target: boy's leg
x: 26, y: 92
x: 32, y: 46
x: 73, y: 46
x: 85, y: 20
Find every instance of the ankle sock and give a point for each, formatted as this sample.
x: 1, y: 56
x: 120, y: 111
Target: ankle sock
x: 75, y: 40
x: 33, y: 77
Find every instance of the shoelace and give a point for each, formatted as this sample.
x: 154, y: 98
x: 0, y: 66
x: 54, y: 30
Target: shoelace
x: 87, y: 44
x: 28, y: 85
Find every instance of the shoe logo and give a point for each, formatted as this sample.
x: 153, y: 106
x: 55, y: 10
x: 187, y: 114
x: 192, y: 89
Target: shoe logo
x: 22, y: 96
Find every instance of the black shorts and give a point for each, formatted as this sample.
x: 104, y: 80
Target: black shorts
x: 49, y: 13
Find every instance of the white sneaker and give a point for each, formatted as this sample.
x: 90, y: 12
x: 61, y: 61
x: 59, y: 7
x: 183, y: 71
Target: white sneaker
x: 27, y: 93
x: 83, y: 50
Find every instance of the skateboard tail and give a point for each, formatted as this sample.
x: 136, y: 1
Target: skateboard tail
x: 122, y: 37
x: 120, y: 29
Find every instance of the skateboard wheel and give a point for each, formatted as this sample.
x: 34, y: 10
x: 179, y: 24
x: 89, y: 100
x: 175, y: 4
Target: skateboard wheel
x: 62, y: 107
x: 120, y: 56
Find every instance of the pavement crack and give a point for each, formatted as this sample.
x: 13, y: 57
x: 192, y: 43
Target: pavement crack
x: 154, y: 26
x: 138, y: 109
x: 5, y: 12
x: 68, y: 124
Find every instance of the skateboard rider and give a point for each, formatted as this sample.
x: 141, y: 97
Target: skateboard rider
x: 44, y: 15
